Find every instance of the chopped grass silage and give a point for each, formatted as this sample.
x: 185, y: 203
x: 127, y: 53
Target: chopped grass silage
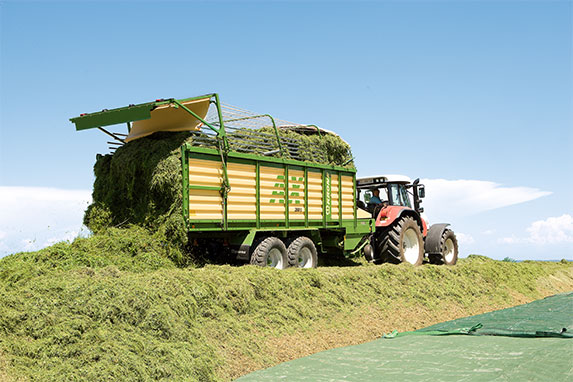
x: 132, y: 249
x: 140, y: 184
x: 123, y: 317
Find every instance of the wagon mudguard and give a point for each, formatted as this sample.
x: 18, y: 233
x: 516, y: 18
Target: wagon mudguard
x: 432, y: 243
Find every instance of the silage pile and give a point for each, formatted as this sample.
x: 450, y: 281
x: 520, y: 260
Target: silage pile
x: 114, y: 307
x: 140, y: 184
x: 325, y: 148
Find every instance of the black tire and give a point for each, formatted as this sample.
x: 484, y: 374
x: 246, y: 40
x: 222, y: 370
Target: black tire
x: 270, y: 252
x: 302, y: 253
x: 448, y: 250
x: 368, y: 252
x: 398, y: 243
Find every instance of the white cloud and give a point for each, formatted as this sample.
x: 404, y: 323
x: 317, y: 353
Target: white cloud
x: 67, y: 236
x: 450, y: 198
x: 34, y: 217
x: 553, y: 230
x: 510, y: 240
x: 464, y: 238
x: 41, y: 194
x: 488, y: 232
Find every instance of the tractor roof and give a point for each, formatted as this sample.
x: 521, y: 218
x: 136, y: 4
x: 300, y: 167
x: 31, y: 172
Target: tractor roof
x: 376, y: 180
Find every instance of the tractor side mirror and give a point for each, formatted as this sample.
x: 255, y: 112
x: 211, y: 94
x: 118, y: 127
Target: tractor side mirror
x: 421, y: 191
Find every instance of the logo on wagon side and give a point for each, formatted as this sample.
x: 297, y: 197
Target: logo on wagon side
x: 296, y: 194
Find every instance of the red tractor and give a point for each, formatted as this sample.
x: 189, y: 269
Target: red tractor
x: 402, y: 233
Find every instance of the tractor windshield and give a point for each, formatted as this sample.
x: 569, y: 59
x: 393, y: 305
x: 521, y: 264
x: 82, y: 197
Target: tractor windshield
x: 398, y: 195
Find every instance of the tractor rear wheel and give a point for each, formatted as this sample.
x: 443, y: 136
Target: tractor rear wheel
x: 270, y: 252
x: 302, y: 253
x: 448, y: 249
x: 403, y: 243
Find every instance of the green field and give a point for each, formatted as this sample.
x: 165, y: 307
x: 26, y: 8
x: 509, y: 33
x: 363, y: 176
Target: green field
x: 120, y: 306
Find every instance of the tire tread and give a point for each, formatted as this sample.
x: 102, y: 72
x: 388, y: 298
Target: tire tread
x: 260, y: 254
x: 294, y: 248
x: 389, y: 246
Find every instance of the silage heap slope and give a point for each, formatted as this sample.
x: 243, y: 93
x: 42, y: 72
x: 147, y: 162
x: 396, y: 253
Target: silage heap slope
x: 531, y: 342
x: 120, y: 309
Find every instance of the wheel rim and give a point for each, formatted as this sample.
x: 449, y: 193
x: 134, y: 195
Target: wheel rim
x: 411, y: 246
x: 305, y: 258
x: 275, y: 258
x: 449, y: 251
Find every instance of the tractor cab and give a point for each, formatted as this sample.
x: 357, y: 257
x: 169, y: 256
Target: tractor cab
x: 389, y: 190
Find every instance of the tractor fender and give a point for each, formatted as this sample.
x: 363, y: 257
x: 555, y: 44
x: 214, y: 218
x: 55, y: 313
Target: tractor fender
x: 389, y: 214
x: 434, y: 237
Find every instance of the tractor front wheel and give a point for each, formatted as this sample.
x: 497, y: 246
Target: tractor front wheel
x: 403, y: 243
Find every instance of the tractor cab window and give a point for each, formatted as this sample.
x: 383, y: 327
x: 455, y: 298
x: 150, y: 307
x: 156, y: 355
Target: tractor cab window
x: 405, y: 199
x: 399, y: 195
x: 364, y: 197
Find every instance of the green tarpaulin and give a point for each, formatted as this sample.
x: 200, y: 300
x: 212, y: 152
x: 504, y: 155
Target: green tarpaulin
x: 530, y: 342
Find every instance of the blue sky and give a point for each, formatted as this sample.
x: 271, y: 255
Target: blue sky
x: 476, y: 93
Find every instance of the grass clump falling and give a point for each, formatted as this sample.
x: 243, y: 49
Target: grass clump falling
x: 140, y: 184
